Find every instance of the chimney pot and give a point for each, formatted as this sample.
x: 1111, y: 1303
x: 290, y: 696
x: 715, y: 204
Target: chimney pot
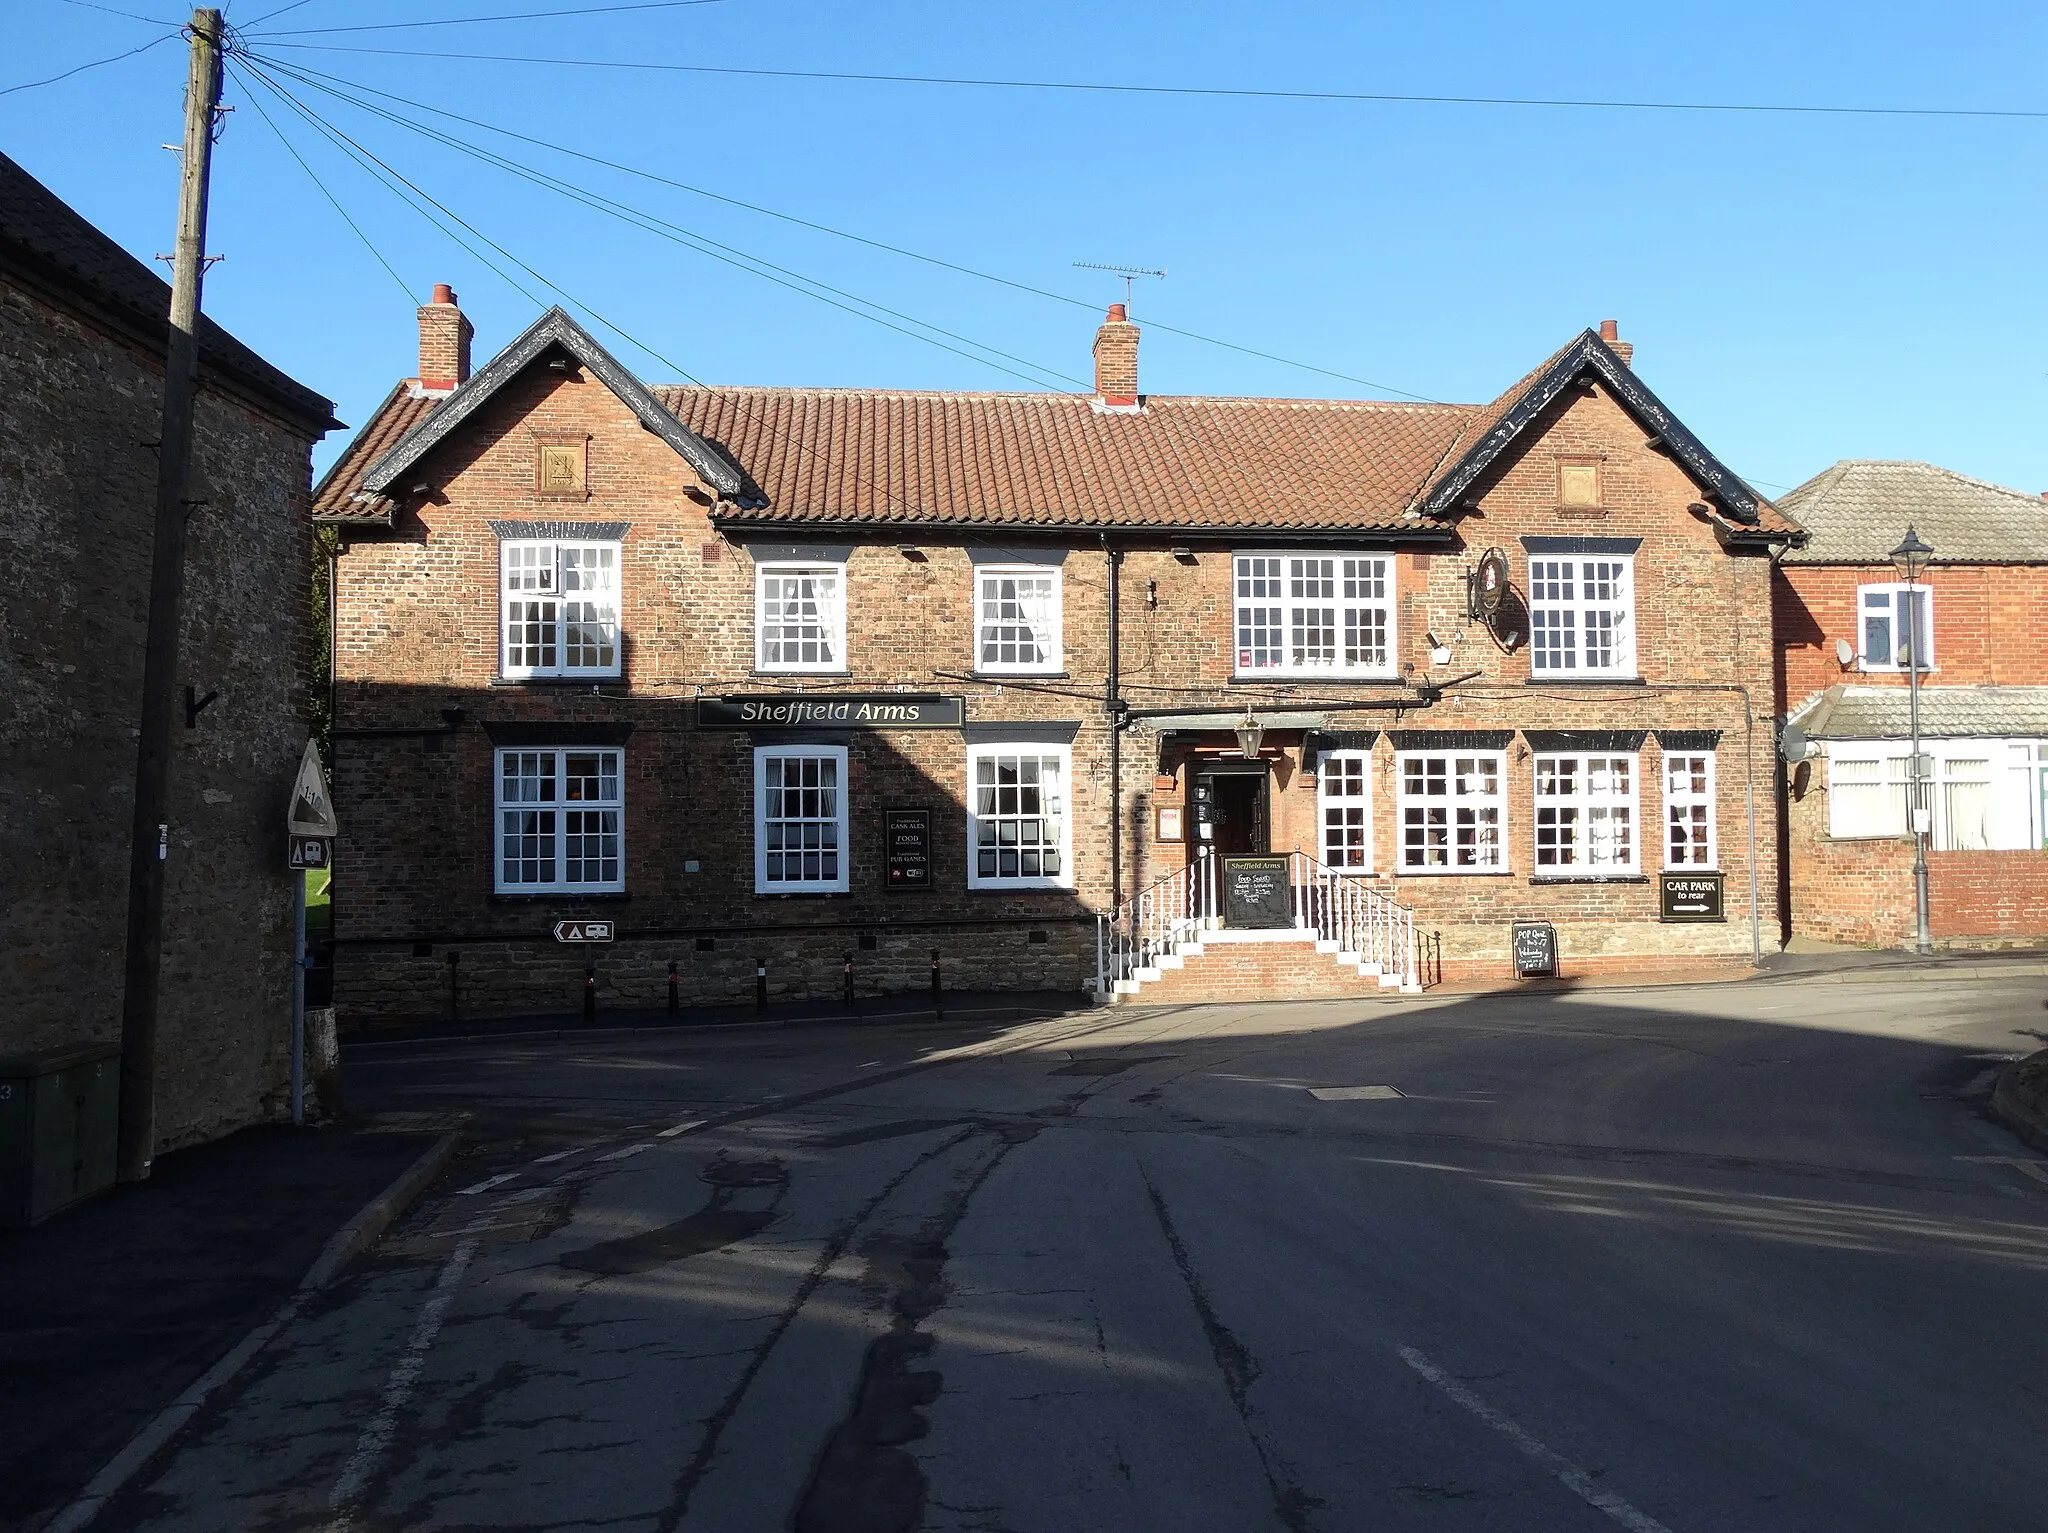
x: 1116, y: 361
x: 445, y: 334
x: 1610, y: 332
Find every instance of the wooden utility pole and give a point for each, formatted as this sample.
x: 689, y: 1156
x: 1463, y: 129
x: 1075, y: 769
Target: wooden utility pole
x: 152, y: 830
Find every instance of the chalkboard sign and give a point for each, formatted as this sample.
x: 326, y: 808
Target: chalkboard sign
x: 1689, y: 897
x: 1256, y: 892
x: 907, y: 842
x: 1535, y: 945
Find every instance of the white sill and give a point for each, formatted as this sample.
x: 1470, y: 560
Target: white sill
x: 1696, y: 871
x: 1009, y: 885
x: 1288, y: 673
x: 1867, y: 669
x: 1454, y: 872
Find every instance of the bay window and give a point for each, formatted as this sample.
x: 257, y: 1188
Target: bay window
x: 1585, y: 814
x: 1314, y: 614
x: 1452, y: 812
x: 1344, y: 810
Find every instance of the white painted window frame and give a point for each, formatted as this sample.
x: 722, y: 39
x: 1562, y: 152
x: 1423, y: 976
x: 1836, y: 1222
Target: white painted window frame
x: 1453, y: 801
x: 1048, y: 637
x: 1605, y: 803
x: 2011, y: 773
x: 1289, y: 605
x: 1062, y: 809
x: 560, y: 808
x: 1576, y: 610
x: 838, y: 882
x: 553, y: 559
x: 828, y: 598
x: 1360, y: 802
x: 1894, y: 593
x: 1687, y: 797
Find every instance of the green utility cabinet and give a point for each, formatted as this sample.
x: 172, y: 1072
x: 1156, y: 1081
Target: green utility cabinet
x: 59, y: 1115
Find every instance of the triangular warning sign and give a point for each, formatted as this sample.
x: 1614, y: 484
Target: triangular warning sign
x: 312, y: 811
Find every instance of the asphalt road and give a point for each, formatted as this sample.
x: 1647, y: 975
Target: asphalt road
x: 1740, y: 1257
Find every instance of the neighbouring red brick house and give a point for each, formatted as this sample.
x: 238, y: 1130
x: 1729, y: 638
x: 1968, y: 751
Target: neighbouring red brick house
x: 1844, y: 616
x: 783, y: 676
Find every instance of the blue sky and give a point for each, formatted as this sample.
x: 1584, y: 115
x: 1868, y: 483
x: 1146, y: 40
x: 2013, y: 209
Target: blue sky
x: 1800, y: 289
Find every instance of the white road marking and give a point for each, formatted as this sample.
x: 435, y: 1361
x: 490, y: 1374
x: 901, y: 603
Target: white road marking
x: 682, y: 1128
x: 629, y: 1151
x: 1353, y: 1093
x: 548, y: 1160
x: 487, y: 1184
x: 1574, y: 1478
x: 375, y: 1441
x: 2024, y: 1164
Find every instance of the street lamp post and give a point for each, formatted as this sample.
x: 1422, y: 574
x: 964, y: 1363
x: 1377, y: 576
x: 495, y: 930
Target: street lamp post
x: 1910, y: 560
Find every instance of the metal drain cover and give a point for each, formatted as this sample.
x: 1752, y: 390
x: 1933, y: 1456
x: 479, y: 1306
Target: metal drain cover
x: 1352, y: 1093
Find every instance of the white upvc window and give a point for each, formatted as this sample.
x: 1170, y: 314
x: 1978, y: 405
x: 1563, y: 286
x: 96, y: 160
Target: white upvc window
x: 1019, y: 831
x: 799, y: 617
x: 559, y: 608
x: 800, y: 819
x: 1980, y: 794
x: 1585, y: 814
x: 1689, y: 830
x: 1327, y: 614
x: 1453, y: 812
x: 1888, y: 617
x: 1344, y: 810
x: 1016, y: 618
x: 1582, y: 615
x: 561, y: 821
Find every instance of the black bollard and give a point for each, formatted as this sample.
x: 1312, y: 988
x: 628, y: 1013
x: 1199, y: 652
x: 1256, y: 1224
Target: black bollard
x: 849, y: 979
x: 761, y: 983
x: 590, y: 989
x: 935, y: 977
x: 675, y: 1003
x: 454, y: 989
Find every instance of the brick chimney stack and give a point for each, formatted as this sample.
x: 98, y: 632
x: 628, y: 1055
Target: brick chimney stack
x: 445, y: 333
x: 1610, y: 332
x: 1116, y: 361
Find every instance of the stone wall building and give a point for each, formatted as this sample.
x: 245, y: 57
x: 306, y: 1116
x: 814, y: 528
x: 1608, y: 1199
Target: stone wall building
x: 83, y: 328
x: 1844, y: 617
x: 783, y: 677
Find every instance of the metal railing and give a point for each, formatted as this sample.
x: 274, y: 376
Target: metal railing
x: 1364, y: 925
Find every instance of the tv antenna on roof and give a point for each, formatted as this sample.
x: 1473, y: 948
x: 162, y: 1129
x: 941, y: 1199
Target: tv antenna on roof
x: 1128, y: 273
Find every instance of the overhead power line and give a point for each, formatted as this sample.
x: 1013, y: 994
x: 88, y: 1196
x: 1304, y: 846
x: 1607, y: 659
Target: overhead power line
x: 464, y: 21
x: 82, y: 68
x: 312, y: 76
x: 1241, y: 93
x: 730, y: 255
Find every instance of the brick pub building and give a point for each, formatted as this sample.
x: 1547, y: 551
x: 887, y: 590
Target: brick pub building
x: 1844, y: 616
x: 785, y: 676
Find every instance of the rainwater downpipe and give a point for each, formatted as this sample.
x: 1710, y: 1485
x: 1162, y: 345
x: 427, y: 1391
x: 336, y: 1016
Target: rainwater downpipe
x: 1112, y: 707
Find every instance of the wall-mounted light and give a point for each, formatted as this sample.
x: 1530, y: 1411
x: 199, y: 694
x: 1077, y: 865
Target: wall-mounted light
x: 1184, y: 555
x: 1249, y: 733
x: 911, y: 552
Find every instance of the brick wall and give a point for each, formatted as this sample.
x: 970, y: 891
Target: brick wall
x: 78, y: 410
x: 417, y: 634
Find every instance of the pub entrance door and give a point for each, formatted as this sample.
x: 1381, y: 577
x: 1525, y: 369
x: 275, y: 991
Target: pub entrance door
x: 1231, y: 811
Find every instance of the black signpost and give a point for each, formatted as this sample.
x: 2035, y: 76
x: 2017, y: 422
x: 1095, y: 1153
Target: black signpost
x: 1256, y: 892
x: 907, y: 835
x: 1535, y: 948
x: 1689, y: 897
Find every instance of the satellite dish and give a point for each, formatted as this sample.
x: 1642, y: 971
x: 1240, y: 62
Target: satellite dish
x: 1845, y: 653
x: 1792, y: 743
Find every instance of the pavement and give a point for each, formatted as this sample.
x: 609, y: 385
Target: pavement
x: 1724, y: 1257
x: 111, y: 1309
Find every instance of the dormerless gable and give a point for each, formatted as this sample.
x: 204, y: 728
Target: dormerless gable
x: 1519, y: 408
x: 554, y: 328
